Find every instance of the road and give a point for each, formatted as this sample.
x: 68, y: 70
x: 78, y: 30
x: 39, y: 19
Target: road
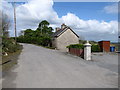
x: 40, y: 67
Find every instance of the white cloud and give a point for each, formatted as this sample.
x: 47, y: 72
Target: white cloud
x: 111, y: 8
x: 31, y: 13
x: 7, y: 8
x: 92, y: 29
x: 90, y: 25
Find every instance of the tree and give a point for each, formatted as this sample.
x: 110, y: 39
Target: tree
x: 8, y: 44
x: 42, y: 25
x: 50, y: 30
x: 28, y: 32
x: 5, y: 24
x: 41, y: 36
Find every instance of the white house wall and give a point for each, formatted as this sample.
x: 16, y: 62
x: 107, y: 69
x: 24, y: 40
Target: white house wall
x: 65, y: 39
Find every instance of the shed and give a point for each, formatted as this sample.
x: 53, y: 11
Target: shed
x: 104, y: 46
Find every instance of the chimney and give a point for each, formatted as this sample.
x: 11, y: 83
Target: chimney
x: 57, y: 29
x: 63, y: 26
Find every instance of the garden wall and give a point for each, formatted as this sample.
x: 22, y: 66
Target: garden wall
x: 76, y: 51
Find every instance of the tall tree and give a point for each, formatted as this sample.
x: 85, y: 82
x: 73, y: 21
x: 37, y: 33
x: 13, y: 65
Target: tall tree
x: 43, y: 25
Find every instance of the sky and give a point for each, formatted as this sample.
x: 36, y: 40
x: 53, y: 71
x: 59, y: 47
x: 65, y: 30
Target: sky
x: 90, y: 20
x: 85, y: 10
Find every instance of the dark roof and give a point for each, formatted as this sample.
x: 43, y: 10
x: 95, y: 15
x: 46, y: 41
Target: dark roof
x: 59, y: 32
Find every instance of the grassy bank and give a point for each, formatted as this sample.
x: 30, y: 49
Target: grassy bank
x: 9, y: 61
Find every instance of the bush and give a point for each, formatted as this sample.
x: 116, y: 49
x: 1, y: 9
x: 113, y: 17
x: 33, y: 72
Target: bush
x: 79, y: 46
x: 8, y: 45
x: 41, y: 40
x: 20, y: 39
x: 95, y: 48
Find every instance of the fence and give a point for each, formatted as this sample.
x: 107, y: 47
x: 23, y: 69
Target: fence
x: 77, y: 52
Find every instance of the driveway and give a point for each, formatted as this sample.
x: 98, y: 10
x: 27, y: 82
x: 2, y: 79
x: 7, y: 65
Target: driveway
x: 39, y: 67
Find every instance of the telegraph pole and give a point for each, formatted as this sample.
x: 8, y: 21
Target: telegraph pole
x: 14, y: 6
x: 15, y: 23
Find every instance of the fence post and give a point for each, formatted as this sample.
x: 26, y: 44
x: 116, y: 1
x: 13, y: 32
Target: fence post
x: 87, y: 51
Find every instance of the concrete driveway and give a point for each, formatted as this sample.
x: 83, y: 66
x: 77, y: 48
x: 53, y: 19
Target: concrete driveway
x: 39, y: 67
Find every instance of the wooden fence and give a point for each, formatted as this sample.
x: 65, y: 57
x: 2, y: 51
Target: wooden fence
x: 77, y: 52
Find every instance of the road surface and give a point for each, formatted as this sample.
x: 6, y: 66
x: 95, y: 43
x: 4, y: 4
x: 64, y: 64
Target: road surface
x: 40, y: 67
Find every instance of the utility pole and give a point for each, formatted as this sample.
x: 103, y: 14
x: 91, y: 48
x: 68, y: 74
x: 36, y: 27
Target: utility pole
x: 14, y: 6
x: 15, y: 23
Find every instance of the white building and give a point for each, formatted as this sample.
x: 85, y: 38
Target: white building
x: 63, y: 37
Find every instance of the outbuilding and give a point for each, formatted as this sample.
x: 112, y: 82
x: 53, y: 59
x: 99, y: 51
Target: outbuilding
x: 104, y: 46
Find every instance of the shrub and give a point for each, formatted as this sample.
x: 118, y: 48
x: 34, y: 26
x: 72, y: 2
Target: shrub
x: 8, y: 45
x: 20, y: 39
x: 79, y: 46
x: 41, y: 40
x: 95, y: 48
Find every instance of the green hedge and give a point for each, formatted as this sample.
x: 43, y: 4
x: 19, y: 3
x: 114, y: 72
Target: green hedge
x: 79, y: 46
x: 44, y: 41
x: 95, y: 48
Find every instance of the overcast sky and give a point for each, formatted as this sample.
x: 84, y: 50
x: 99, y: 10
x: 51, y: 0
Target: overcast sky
x: 90, y: 20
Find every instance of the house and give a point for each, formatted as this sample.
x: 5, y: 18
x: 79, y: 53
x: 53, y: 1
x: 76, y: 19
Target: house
x: 63, y: 37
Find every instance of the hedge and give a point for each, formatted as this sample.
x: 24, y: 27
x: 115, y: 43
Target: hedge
x: 79, y: 46
x: 94, y: 48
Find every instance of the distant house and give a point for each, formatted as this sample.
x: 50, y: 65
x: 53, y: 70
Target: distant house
x: 63, y: 37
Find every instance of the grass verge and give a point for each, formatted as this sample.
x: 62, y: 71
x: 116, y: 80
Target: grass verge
x: 9, y: 61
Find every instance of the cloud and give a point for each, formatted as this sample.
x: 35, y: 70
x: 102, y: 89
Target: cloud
x: 111, y: 9
x: 33, y: 12
x: 30, y: 14
x: 92, y: 29
x: 7, y: 8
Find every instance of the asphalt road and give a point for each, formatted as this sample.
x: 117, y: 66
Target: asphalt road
x: 39, y: 67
